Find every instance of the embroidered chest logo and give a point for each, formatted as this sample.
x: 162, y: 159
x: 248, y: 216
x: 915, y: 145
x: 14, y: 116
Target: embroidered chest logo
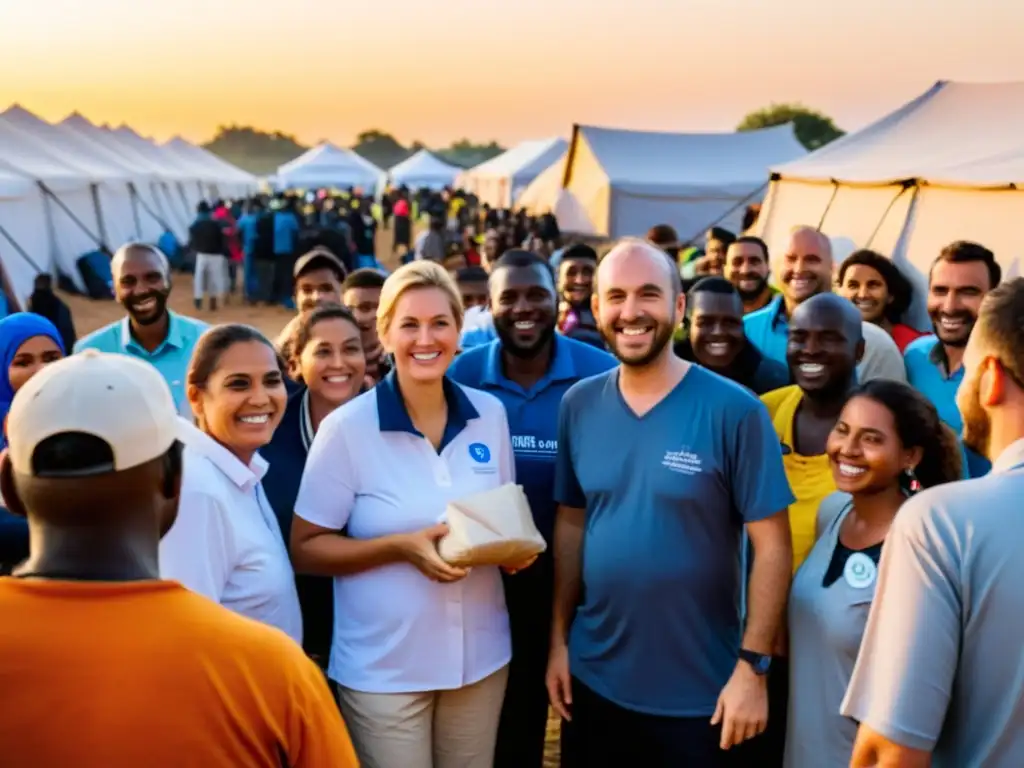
x: 684, y: 461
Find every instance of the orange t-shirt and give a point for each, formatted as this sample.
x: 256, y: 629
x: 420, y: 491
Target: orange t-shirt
x: 149, y: 675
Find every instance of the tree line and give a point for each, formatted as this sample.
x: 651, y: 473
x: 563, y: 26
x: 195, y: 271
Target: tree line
x: 261, y: 152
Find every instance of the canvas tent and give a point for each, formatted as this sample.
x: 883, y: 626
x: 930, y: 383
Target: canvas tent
x: 948, y: 165
x: 233, y: 180
x: 328, y: 166
x: 499, y: 181
x: 25, y: 232
x: 619, y: 182
x: 423, y: 169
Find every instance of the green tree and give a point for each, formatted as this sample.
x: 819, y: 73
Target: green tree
x: 380, y: 148
x: 466, y: 153
x: 813, y: 129
x: 256, y: 151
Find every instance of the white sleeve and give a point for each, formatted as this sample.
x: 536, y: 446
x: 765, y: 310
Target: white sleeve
x: 506, y: 457
x: 198, y: 551
x: 327, y: 491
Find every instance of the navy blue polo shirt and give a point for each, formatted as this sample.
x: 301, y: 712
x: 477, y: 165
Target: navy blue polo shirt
x: 666, y: 496
x: 533, y: 413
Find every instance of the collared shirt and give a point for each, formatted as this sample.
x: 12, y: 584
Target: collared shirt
x: 939, y: 668
x: 533, y: 412
x: 928, y: 373
x: 171, y: 358
x: 768, y: 330
x: 372, y: 473
x: 753, y: 370
x: 225, y: 542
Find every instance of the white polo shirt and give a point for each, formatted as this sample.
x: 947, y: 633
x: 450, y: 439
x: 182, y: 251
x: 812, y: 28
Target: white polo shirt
x: 226, y: 543
x: 370, y: 470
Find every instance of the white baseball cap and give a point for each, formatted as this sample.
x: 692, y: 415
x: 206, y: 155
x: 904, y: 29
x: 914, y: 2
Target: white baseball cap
x: 116, y: 398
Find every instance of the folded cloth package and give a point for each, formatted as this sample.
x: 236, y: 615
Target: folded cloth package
x: 491, y: 528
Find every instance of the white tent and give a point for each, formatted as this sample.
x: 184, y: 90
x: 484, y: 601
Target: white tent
x: 619, y: 182
x: 233, y: 179
x: 423, y: 169
x: 947, y: 166
x: 25, y: 241
x: 502, y: 179
x: 329, y: 166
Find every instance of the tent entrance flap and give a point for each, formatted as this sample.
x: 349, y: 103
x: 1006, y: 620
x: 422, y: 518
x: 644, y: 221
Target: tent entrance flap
x: 71, y: 215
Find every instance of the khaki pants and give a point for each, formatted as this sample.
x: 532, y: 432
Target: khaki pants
x: 438, y: 729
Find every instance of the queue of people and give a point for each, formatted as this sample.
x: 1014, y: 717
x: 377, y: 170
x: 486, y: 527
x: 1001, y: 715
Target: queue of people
x: 773, y: 538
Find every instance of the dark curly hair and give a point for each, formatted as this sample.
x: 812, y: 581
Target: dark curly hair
x: 918, y: 426
x: 899, y: 287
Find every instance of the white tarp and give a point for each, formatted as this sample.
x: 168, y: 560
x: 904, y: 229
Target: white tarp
x: 500, y: 181
x: 25, y: 242
x: 948, y: 165
x: 329, y: 166
x: 423, y: 169
x: 235, y: 180
x: 621, y: 182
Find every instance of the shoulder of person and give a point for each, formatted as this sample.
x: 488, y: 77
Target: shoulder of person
x: 467, y: 367
x: 772, y: 400
x: 587, y: 389
x: 100, y: 338
x: 486, y: 404
x: 830, y: 508
x: 920, y: 347
x: 588, y: 359
x: 758, y: 314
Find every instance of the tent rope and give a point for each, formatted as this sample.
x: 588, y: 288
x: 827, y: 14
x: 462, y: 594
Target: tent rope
x: 141, y: 200
x: 828, y: 206
x: 60, y: 203
x: 885, y: 214
x: 728, y: 213
x: 21, y: 251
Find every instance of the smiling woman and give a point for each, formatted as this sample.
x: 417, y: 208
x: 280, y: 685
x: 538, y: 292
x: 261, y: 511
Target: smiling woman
x: 226, y: 543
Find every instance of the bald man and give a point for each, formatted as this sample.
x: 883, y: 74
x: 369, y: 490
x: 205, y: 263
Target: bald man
x: 803, y: 271
x: 150, y: 331
x: 660, y: 465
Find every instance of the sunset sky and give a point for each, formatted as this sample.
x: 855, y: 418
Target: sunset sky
x: 438, y: 70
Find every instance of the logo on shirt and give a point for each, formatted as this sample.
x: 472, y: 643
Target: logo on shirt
x: 533, y: 447
x: 860, y: 571
x: 480, y: 453
x: 683, y: 461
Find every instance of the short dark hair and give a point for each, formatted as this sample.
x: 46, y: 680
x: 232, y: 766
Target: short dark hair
x: 367, y: 277
x: 899, y: 287
x: 1001, y: 323
x: 580, y: 251
x: 518, y: 258
x: 964, y: 252
x: 722, y: 235
x: 302, y: 332
x: 711, y: 284
x: 471, y: 275
x: 753, y: 240
x: 212, y: 345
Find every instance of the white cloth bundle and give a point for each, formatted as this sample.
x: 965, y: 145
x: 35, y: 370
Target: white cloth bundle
x: 491, y: 528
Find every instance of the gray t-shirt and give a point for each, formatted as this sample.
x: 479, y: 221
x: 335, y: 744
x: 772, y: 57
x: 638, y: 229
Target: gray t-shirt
x: 825, y: 629
x: 941, y: 666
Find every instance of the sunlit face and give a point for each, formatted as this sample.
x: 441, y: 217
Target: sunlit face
x: 977, y: 424
x: 716, y: 328
x: 576, y: 280
x: 867, y: 289
x: 423, y: 335
x: 316, y: 287
x: 524, y: 308
x: 805, y: 269
x: 955, y: 291
x: 864, y: 448
x: 332, y: 364
x: 363, y: 303
x: 142, y: 286
x: 821, y: 355
x: 243, y: 400
x: 636, y: 306
x: 746, y: 267
x: 31, y: 357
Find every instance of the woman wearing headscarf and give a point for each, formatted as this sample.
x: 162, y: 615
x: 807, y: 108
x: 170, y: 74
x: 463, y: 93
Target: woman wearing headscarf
x: 27, y: 343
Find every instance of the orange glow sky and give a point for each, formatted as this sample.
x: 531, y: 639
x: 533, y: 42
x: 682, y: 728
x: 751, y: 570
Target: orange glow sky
x: 437, y: 70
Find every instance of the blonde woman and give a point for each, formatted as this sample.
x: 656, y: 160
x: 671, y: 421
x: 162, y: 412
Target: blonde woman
x: 420, y: 648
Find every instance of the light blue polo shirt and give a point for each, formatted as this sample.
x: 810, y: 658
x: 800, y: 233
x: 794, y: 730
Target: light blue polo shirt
x: 666, y: 497
x: 533, y: 413
x: 768, y: 329
x: 171, y: 358
x: 926, y: 371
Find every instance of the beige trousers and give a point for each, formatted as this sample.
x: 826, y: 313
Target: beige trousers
x: 437, y: 729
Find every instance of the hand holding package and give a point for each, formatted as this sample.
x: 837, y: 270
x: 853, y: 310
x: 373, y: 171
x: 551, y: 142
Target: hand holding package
x: 491, y: 528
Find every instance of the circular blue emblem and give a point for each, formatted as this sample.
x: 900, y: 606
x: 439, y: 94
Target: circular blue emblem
x: 480, y: 453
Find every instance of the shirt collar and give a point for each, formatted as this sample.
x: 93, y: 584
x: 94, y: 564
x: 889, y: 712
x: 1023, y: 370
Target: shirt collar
x: 172, y: 339
x: 245, y: 477
x: 937, y: 356
x: 562, y: 367
x: 777, y: 312
x: 393, y: 416
x: 306, y: 431
x: 1011, y: 457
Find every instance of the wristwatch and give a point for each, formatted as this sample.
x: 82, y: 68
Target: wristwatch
x: 759, y: 662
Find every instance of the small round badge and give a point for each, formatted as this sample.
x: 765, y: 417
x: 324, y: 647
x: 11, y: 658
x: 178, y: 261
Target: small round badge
x: 860, y: 571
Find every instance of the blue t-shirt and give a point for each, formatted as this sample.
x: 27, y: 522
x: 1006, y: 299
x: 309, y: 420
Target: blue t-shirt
x: 533, y: 413
x: 247, y: 231
x: 666, y: 496
x: 926, y: 372
x: 286, y: 233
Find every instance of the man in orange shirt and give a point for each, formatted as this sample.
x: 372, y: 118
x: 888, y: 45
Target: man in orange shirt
x: 102, y: 663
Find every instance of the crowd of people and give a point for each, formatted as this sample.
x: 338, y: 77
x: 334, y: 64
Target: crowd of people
x: 779, y: 520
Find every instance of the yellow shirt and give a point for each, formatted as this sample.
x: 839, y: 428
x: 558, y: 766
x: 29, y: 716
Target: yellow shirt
x: 810, y: 477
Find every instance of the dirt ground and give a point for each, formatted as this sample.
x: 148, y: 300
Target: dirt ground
x: 90, y: 315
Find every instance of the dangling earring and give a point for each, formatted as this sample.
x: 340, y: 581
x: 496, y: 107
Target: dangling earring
x: 912, y: 480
